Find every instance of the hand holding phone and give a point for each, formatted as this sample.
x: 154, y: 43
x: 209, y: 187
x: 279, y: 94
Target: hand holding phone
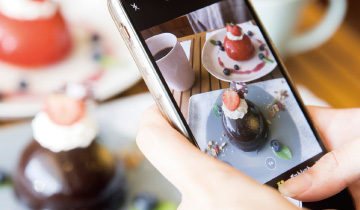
x: 337, y: 169
x: 207, y: 183
x: 222, y: 84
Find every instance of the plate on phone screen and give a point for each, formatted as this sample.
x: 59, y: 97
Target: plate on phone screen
x: 215, y: 60
x: 289, y: 127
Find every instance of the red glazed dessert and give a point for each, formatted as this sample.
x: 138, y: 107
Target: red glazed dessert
x: 63, y: 167
x: 33, y: 33
x: 238, y: 45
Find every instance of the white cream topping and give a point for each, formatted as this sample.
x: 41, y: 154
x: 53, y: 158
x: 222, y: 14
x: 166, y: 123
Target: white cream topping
x: 28, y: 9
x: 239, y: 113
x: 59, y: 138
x: 76, y: 91
x: 233, y: 37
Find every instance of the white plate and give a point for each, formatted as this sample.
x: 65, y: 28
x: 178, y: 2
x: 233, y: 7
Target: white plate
x: 117, y: 75
x: 211, y: 54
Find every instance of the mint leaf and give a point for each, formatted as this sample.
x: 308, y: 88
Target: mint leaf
x: 215, y: 110
x: 166, y: 205
x: 268, y: 60
x: 213, y: 42
x: 285, y: 152
x: 6, y: 183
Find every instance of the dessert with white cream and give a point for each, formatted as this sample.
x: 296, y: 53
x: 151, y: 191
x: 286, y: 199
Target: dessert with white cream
x: 238, y: 45
x: 242, y: 121
x: 64, y: 168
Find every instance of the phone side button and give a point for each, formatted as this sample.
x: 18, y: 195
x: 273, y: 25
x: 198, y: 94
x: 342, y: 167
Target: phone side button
x: 126, y: 32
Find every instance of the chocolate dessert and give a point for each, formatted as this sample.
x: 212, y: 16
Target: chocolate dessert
x: 249, y: 133
x: 242, y: 120
x: 63, y: 167
x: 84, y: 178
x: 237, y: 44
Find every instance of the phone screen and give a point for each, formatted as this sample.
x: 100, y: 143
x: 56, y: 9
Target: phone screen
x: 229, y: 86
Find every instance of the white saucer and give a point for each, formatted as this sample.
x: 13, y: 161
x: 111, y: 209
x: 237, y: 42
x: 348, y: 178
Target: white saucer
x: 212, y: 53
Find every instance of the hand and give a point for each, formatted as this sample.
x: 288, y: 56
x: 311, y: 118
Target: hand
x: 204, y: 182
x: 336, y: 170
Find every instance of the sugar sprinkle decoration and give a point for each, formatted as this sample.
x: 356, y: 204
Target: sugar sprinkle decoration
x: 213, y: 152
x: 277, y: 104
x: 214, y: 149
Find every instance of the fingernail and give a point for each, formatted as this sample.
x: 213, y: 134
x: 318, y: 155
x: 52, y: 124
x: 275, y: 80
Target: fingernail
x: 296, y: 186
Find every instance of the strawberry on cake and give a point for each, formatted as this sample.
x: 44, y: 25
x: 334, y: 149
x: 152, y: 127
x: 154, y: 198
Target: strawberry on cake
x: 63, y: 167
x: 33, y: 33
x: 242, y: 121
x: 237, y: 44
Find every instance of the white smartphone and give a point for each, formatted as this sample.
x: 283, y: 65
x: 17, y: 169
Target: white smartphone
x: 217, y: 77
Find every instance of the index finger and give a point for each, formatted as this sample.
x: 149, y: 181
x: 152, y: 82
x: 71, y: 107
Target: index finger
x: 177, y: 159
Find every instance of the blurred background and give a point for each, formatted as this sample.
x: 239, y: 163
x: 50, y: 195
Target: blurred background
x: 326, y: 75
x: 330, y: 71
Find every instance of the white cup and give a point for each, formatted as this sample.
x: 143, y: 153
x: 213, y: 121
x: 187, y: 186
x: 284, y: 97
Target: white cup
x: 280, y: 17
x: 174, y: 66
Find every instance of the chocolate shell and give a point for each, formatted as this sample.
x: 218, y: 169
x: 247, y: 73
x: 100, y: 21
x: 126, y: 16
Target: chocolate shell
x: 249, y: 133
x: 85, y: 178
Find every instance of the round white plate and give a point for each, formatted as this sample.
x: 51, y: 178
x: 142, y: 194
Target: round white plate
x: 114, y: 73
x: 212, y: 53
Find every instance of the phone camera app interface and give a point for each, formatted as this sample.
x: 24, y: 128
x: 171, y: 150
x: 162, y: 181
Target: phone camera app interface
x: 227, y: 83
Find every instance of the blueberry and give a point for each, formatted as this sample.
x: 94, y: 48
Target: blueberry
x: 262, y: 48
x: 236, y: 67
x: 222, y: 48
x: 3, y: 177
x: 144, y: 201
x: 220, y: 111
x: 261, y: 56
x: 219, y: 43
x: 23, y: 85
x: 95, y: 37
x: 226, y: 71
x: 250, y: 33
x: 97, y: 55
x: 276, y: 145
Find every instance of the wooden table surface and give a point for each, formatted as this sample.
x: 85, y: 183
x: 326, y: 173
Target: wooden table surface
x: 331, y: 71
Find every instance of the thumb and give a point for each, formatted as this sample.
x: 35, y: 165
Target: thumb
x: 331, y: 174
x: 176, y: 158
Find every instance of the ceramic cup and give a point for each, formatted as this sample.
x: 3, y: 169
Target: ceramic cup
x: 174, y: 66
x: 281, y: 16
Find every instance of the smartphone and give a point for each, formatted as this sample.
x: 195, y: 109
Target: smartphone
x: 217, y: 77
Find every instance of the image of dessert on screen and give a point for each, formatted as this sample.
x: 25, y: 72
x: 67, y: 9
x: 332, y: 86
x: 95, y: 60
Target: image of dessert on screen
x: 226, y: 81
